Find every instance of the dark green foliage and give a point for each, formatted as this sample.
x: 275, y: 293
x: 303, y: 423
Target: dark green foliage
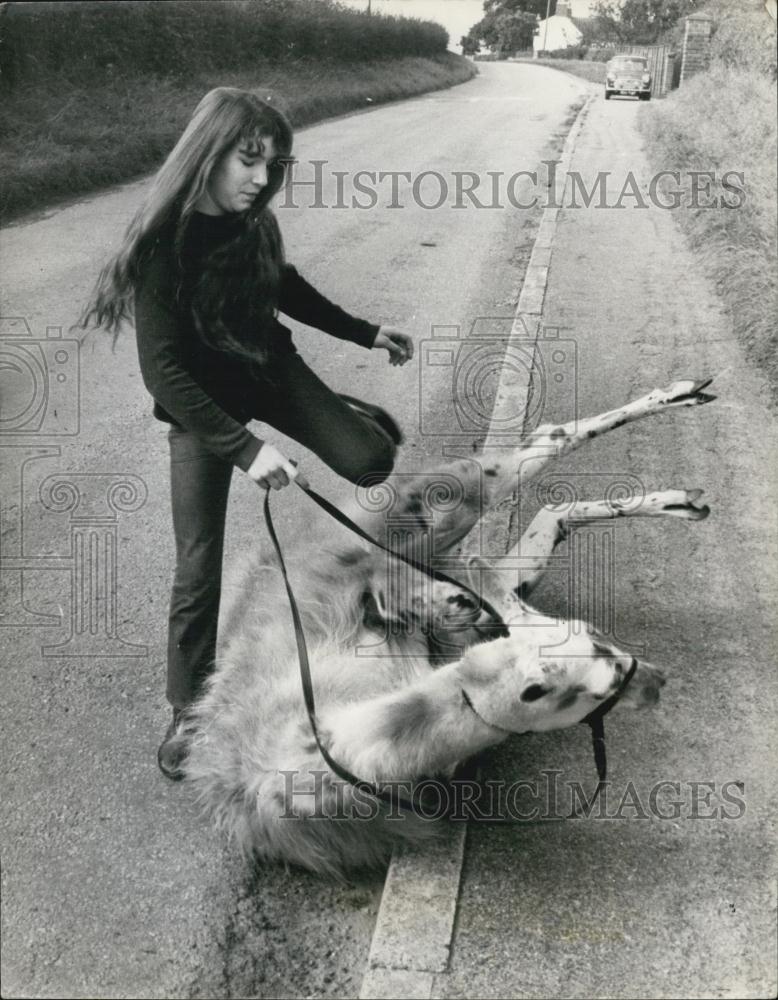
x: 571, y: 52
x: 640, y: 22
x: 470, y: 45
x: 96, y: 93
x: 744, y: 36
x: 88, y: 42
x: 601, y: 53
x: 507, y: 27
x: 534, y: 7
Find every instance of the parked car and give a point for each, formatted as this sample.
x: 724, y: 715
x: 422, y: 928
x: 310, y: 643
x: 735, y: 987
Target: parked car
x: 628, y: 75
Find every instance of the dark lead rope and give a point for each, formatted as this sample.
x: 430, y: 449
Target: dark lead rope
x: 305, y: 671
x: 500, y: 628
x: 594, y: 719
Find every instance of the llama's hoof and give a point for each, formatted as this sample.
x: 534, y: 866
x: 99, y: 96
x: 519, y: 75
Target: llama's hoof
x: 173, y: 749
x: 683, y: 503
x: 688, y: 393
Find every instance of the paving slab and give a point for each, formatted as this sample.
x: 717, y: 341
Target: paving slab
x: 672, y: 891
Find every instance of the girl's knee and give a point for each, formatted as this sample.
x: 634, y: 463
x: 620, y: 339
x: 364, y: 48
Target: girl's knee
x: 372, y: 466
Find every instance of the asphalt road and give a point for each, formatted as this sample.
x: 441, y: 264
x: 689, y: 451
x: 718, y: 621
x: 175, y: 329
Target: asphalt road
x: 112, y: 885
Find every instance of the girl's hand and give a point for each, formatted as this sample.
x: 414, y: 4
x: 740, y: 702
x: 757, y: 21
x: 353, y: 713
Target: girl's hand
x: 271, y: 470
x: 398, y: 344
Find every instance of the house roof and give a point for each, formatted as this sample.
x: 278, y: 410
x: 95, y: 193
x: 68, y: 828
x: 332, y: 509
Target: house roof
x: 559, y: 27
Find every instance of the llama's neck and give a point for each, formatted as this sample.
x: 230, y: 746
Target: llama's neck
x: 423, y: 729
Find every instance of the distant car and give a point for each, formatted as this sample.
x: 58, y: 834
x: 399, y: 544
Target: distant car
x: 628, y: 75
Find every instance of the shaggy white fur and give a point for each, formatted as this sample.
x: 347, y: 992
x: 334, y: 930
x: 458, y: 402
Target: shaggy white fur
x: 414, y: 708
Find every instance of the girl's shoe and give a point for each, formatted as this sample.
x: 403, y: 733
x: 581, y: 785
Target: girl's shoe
x: 174, y: 748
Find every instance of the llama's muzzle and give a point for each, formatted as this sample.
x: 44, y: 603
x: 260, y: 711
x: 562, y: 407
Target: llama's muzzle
x: 643, y: 690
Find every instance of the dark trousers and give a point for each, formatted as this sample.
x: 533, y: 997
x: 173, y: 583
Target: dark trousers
x: 299, y: 405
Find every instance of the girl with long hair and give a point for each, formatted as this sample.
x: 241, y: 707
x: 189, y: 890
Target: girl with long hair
x: 201, y: 270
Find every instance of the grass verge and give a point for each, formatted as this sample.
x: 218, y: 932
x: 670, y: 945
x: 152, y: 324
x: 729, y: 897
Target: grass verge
x: 63, y: 141
x: 594, y: 72
x: 720, y: 120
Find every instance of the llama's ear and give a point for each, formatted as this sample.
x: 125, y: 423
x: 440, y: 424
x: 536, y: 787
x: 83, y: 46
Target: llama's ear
x: 478, y: 570
x: 489, y: 581
x: 375, y: 611
x: 513, y: 602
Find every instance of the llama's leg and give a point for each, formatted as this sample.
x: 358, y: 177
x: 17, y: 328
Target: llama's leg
x: 550, y: 441
x: 458, y: 494
x: 531, y: 556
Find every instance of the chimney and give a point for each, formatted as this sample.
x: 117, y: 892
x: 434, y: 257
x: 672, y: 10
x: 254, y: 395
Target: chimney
x: 562, y: 9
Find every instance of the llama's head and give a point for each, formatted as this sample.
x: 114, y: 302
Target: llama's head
x: 445, y: 617
x: 458, y: 620
x: 550, y: 675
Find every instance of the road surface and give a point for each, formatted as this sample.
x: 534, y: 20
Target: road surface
x: 112, y: 885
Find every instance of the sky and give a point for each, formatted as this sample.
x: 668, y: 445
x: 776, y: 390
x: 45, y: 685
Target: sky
x: 456, y: 16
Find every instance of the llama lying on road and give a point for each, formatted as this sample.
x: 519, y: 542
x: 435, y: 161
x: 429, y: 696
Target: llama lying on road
x: 438, y: 688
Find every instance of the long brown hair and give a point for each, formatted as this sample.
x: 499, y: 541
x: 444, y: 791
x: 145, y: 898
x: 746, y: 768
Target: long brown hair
x: 245, y: 270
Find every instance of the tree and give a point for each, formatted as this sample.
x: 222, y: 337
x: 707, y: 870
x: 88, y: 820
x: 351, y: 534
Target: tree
x: 537, y: 7
x: 515, y: 31
x: 639, y: 22
x: 470, y: 45
x: 508, y: 26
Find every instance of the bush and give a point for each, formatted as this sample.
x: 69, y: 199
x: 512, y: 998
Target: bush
x: 599, y: 53
x: 87, y: 140
x: 573, y: 52
x: 85, y: 43
x: 743, y: 35
x: 740, y: 39
x: 96, y: 93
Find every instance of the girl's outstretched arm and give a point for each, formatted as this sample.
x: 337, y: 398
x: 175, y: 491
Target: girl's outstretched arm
x: 300, y: 300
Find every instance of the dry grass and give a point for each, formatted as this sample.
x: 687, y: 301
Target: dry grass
x: 725, y: 119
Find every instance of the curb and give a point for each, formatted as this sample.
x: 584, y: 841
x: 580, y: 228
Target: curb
x: 415, y: 924
x: 512, y: 387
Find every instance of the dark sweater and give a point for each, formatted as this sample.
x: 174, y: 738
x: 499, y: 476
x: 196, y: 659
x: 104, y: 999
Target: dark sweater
x: 207, y: 391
